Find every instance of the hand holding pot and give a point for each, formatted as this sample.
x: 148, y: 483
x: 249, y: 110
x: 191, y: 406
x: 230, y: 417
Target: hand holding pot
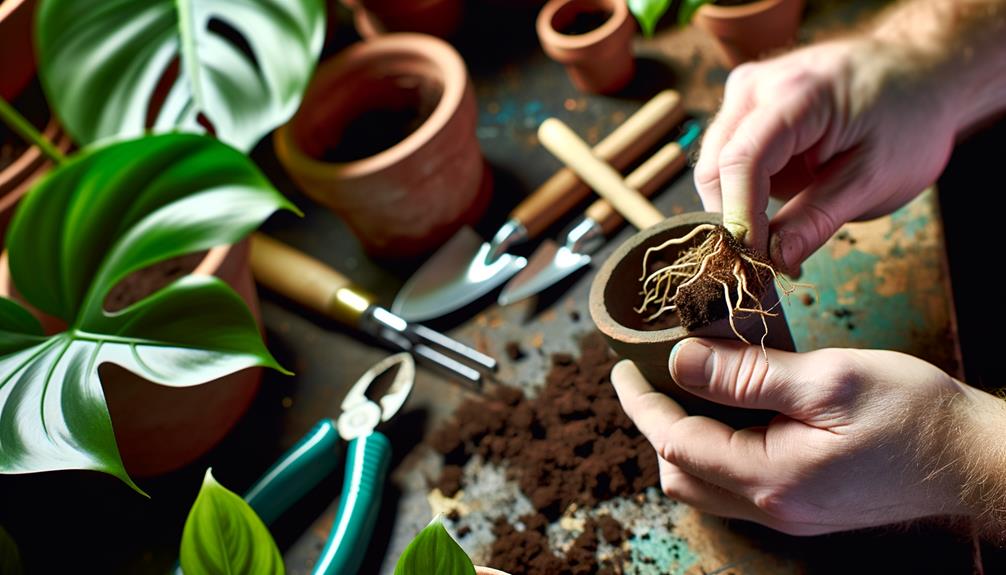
x: 863, y: 438
x: 850, y: 129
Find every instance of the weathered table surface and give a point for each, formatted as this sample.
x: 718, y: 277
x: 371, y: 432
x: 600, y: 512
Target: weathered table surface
x: 881, y: 284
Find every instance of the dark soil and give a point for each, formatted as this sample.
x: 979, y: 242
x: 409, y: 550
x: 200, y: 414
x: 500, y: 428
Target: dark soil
x: 514, y: 351
x: 402, y: 106
x: 585, y: 22
x: 142, y: 283
x: 571, y: 444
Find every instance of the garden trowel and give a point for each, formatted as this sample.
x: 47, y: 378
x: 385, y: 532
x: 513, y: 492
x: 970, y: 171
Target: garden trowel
x: 552, y: 262
x: 467, y: 267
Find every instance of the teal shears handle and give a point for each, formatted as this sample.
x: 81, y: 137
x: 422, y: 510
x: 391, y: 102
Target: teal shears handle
x: 305, y: 465
x: 367, y: 462
x: 298, y: 471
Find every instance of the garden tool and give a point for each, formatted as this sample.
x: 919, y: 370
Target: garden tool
x: 466, y: 267
x: 368, y: 457
x: 551, y: 262
x: 563, y: 142
x: 321, y: 288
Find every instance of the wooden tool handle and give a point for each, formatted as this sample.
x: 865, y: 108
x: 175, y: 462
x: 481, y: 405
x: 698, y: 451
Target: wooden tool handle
x: 607, y: 182
x: 305, y: 280
x: 564, y: 190
x: 647, y: 178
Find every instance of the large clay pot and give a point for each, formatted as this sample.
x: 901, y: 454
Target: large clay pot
x: 160, y: 428
x: 615, y: 292
x: 599, y: 60
x: 411, y: 197
x: 17, y: 57
x: 17, y: 178
x: 436, y: 17
x: 748, y: 31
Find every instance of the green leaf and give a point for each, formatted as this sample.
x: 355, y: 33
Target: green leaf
x: 93, y: 221
x: 10, y: 559
x: 242, y: 64
x: 224, y: 536
x: 688, y: 10
x: 648, y: 13
x: 434, y: 551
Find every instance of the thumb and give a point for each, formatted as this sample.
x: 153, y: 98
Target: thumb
x: 810, y: 218
x: 733, y: 373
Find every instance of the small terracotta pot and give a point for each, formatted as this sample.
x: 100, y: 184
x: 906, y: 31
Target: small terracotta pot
x: 435, y: 17
x: 17, y: 178
x: 749, y: 31
x: 600, y: 60
x: 488, y: 571
x: 411, y: 197
x: 160, y: 428
x: 17, y: 57
x: 615, y: 292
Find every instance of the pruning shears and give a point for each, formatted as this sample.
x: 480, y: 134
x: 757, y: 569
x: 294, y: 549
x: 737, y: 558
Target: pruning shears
x: 368, y: 457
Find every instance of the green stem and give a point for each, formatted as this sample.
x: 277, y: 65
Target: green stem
x: 23, y: 128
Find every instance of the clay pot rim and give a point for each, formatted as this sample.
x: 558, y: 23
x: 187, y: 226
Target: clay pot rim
x: 7, y: 7
x: 619, y: 19
x: 608, y: 325
x: 438, y: 52
x: 741, y: 11
x: 209, y: 265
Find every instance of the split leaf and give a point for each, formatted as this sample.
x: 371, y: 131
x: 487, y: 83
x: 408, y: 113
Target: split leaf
x: 97, y: 218
x: 117, y: 67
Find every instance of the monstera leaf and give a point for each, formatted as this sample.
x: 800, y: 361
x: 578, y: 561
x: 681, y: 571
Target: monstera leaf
x: 97, y: 218
x: 114, y: 67
x: 223, y: 535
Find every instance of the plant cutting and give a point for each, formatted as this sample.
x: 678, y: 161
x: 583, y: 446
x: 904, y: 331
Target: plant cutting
x: 743, y: 29
x: 593, y: 39
x: 98, y: 218
x: 433, y: 550
x: 235, y: 69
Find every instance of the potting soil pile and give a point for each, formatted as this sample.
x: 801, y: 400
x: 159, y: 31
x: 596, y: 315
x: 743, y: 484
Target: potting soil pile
x: 570, y: 447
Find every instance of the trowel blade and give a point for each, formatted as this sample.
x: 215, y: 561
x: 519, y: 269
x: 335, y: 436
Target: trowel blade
x: 548, y: 265
x: 452, y: 278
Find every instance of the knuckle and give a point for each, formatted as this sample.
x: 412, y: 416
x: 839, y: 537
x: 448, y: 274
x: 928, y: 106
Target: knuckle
x: 775, y: 503
x: 822, y: 222
x: 747, y: 373
x: 739, y: 153
x: 740, y: 77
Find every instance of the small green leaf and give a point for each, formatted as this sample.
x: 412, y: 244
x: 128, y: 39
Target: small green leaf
x: 116, y: 68
x: 100, y: 216
x: 688, y: 10
x: 434, y: 551
x: 648, y: 13
x: 224, y: 536
x: 10, y: 559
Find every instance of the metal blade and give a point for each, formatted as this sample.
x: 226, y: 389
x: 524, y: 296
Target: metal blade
x: 458, y: 274
x: 548, y: 265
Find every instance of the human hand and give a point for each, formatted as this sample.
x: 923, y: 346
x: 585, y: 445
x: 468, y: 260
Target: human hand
x: 841, y: 131
x: 863, y: 438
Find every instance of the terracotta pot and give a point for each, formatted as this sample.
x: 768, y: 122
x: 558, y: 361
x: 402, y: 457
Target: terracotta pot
x: 615, y: 292
x: 600, y: 60
x: 17, y: 178
x: 410, y: 197
x: 17, y: 57
x: 160, y: 428
x: 376, y: 17
x: 488, y: 571
x: 749, y: 31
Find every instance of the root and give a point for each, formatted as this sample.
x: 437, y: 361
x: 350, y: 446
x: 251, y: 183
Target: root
x: 716, y: 265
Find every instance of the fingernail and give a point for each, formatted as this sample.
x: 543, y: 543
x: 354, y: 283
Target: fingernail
x: 692, y: 363
x: 789, y: 250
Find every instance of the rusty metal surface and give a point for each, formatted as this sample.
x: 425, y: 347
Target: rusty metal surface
x: 890, y: 280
